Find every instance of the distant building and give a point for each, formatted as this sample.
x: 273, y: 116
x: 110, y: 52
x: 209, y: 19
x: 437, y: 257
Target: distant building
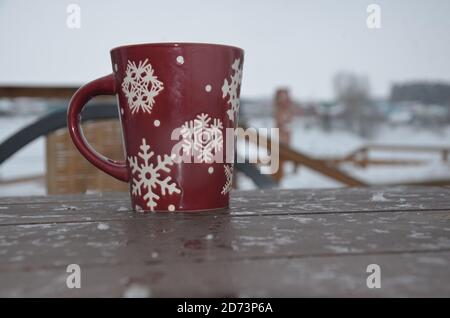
x: 422, y: 92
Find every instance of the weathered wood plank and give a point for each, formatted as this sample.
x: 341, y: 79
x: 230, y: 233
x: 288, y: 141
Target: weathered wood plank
x: 354, y: 194
x: 42, y: 213
x: 269, y: 243
x: 144, y: 239
x: 63, y: 198
x: 116, y: 206
x: 403, y: 275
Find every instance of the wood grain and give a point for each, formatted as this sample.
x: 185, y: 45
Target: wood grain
x: 268, y: 243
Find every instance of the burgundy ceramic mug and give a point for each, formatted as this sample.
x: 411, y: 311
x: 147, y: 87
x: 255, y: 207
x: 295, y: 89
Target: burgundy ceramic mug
x: 161, y: 88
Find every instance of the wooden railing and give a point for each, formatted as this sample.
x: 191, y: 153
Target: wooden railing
x: 37, y: 91
x: 48, y: 92
x: 298, y: 158
x: 361, y: 156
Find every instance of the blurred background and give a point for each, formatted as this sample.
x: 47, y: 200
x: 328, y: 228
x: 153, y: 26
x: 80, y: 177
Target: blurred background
x: 360, y: 90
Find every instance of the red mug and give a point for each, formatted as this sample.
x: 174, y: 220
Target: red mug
x: 190, y: 88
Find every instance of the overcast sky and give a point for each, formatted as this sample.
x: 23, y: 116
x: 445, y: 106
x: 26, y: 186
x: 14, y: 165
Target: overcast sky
x: 299, y: 44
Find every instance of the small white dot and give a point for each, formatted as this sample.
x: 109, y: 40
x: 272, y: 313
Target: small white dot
x: 115, y: 67
x: 121, y: 110
x: 180, y: 59
x: 156, y: 123
x: 208, y: 88
x: 171, y: 207
x: 210, y: 170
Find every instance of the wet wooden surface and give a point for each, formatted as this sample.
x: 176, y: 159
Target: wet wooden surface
x: 269, y: 243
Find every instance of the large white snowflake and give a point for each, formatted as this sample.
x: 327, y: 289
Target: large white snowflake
x: 231, y: 89
x: 140, y: 86
x: 146, y: 175
x: 229, y: 176
x: 202, y: 138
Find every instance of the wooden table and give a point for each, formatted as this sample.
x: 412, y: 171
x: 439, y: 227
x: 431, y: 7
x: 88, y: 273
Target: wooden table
x: 269, y: 243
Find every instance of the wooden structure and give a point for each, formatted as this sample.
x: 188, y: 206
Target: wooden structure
x: 298, y: 158
x: 283, y: 113
x: 268, y: 244
x: 62, y: 92
x: 69, y: 172
x: 360, y: 156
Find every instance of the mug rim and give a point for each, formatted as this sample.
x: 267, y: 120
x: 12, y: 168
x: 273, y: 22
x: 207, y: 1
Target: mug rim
x: 174, y: 44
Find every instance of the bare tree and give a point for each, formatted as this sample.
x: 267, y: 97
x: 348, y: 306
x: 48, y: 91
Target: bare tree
x: 352, y: 91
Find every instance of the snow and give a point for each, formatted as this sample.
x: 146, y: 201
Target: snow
x: 28, y: 161
x: 26, y: 188
x: 137, y: 291
x: 19, y: 165
x: 379, y: 197
x: 103, y: 226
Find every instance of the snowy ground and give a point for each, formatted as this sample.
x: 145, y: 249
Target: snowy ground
x: 307, y: 137
x: 27, y: 162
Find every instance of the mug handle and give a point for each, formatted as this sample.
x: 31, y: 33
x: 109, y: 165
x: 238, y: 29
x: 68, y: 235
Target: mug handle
x: 101, y: 86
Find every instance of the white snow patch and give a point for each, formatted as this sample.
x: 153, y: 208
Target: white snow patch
x: 103, y: 226
x: 378, y: 197
x: 380, y: 231
x: 137, y: 291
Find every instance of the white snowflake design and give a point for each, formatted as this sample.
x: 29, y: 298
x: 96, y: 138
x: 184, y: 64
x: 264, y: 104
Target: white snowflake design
x: 231, y: 89
x: 202, y: 138
x: 146, y: 176
x: 229, y: 175
x: 140, y: 86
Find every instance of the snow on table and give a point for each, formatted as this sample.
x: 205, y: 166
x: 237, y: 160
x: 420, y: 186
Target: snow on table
x: 271, y: 243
